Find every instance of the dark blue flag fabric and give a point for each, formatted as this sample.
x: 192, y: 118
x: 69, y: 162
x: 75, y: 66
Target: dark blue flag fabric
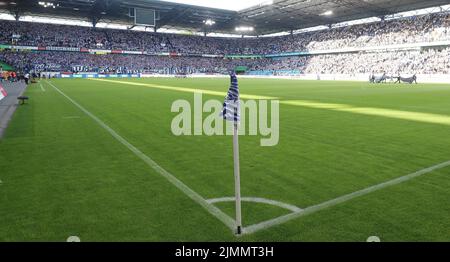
x: 231, y: 108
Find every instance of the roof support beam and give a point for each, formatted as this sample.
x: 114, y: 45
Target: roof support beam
x: 17, y: 15
x: 95, y: 21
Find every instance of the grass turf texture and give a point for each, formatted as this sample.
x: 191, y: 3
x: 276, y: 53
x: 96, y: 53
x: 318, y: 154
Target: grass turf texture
x: 62, y: 174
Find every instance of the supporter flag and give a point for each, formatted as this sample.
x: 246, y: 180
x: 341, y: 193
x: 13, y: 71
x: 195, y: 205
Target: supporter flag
x: 231, y: 112
x: 3, y: 93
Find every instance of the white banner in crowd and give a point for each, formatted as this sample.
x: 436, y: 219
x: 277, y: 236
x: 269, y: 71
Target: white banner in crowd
x: 3, y: 93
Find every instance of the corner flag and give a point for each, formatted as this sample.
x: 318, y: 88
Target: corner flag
x: 231, y: 112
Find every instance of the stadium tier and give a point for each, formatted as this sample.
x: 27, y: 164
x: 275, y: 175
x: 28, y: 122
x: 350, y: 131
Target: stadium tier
x: 416, y: 29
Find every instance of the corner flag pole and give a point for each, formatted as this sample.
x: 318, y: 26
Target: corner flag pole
x: 237, y: 179
x: 230, y: 113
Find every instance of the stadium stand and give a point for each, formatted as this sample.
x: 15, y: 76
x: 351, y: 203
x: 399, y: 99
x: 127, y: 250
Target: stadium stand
x: 416, y: 29
x: 343, y: 50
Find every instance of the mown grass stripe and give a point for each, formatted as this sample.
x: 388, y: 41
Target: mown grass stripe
x: 187, y: 90
x: 372, y: 111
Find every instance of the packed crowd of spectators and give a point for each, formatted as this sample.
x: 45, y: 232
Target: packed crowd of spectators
x: 118, y: 63
x: 415, y: 29
x: 431, y: 28
x: 429, y: 61
x: 425, y: 28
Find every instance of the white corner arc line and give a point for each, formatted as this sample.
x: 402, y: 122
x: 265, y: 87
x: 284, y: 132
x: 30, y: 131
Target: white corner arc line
x: 257, y: 200
x: 216, y: 212
x: 309, y: 210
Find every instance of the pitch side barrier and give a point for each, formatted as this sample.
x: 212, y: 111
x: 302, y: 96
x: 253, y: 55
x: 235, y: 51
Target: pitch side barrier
x: 99, y: 76
x: 421, y: 78
x: 218, y: 76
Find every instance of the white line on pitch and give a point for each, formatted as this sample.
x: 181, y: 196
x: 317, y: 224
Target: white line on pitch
x: 219, y: 214
x: 309, y: 210
x: 42, y: 88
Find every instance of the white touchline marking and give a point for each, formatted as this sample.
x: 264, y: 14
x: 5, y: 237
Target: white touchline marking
x: 309, y: 210
x: 257, y: 200
x: 42, y: 88
x: 216, y: 212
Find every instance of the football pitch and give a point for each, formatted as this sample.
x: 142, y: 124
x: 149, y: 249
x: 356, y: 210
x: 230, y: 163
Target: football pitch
x: 97, y: 159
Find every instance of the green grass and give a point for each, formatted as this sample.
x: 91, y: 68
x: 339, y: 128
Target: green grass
x: 62, y: 174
